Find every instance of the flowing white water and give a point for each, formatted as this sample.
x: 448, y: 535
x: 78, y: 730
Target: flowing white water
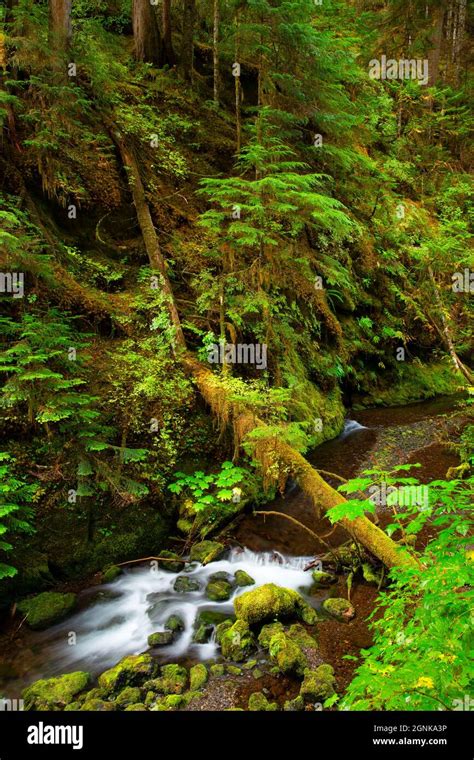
x: 121, y: 615
x: 351, y: 426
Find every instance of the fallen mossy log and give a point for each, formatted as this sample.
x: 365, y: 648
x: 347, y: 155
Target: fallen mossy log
x: 280, y: 460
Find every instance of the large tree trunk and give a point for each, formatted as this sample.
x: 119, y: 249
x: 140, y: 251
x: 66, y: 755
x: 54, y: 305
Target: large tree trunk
x: 148, y: 44
x: 215, y: 50
x: 168, y: 52
x: 60, y: 29
x: 445, y: 333
x: 187, y: 39
x: 276, y: 456
x: 150, y: 238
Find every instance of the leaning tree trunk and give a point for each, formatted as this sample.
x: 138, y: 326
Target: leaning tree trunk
x: 274, y: 455
x: 168, y: 51
x: 60, y: 29
x: 187, y: 40
x: 215, y: 51
x: 445, y: 333
x: 148, y: 44
x: 150, y: 238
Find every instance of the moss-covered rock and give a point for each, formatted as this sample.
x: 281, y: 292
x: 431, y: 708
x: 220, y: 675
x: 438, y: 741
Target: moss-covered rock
x: 55, y: 693
x: 258, y: 701
x: 217, y: 670
x: 371, y: 575
x: 206, y: 551
x: 46, y: 609
x: 234, y: 670
x: 323, y: 580
x: 97, y: 705
x: 300, y: 636
x: 169, y: 703
x: 173, y: 680
x: 294, y: 705
x: 287, y: 654
x: 237, y: 641
x: 222, y: 628
x: 271, y: 602
x: 130, y: 671
x: 174, y: 623
x: 202, y: 634
x: 339, y: 608
x: 219, y: 590
x: 267, y: 632
x: 138, y: 707
x: 171, y: 561
x: 128, y: 696
x: 183, y: 584
x: 318, y: 684
x: 160, y: 638
x: 111, y: 573
x: 243, y: 579
x: 198, y: 676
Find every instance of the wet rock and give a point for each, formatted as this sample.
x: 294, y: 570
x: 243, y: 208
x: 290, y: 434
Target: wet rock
x: 173, y: 680
x: 160, y: 638
x: 203, y: 634
x: 267, y: 632
x: 294, y: 705
x: 47, y: 608
x: 339, y: 608
x: 198, y: 676
x: 323, y: 580
x: 174, y: 623
x: 111, y: 573
x: 97, y: 705
x: 243, y: 579
x: 287, y: 654
x: 128, y: 696
x: 169, y: 703
x: 217, y: 670
x: 183, y: 584
x: 206, y: 551
x: 318, y: 684
x: 55, y: 693
x: 237, y: 641
x: 171, y: 562
x: 219, y: 590
x: 258, y: 701
x: 270, y: 602
x: 129, y: 671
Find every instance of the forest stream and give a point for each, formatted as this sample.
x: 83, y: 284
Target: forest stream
x: 115, y: 619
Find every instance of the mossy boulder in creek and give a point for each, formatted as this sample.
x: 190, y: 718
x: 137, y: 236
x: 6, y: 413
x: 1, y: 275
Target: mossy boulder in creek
x: 198, y: 676
x: 206, y: 551
x: 111, y: 573
x: 294, y: 705
x: 236, y: 640
x: 300, y: 636
x: 243, y: 579
x: 339, y: 608
x: 318, y: 684
x: 184, y: 584
x: 322, y: 579
x: 46, y: 609
x: 271, y: 602
x: 171, y: 561
x: 258, y: 701
x: 131, y: 670
x: 160, y: 638
x: 287, y: 654
x: 173, y: 680
x: 55, y: 693
x: 128, y: 696
x: 174, y: 623
x: 219, y: 589
x: 138, y: 707
x: 97, y: 705
x: 268, y: 631
x: 217, y: 670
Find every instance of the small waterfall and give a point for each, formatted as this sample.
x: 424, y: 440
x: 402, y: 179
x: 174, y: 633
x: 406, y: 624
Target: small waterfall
x: 351, y: 426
